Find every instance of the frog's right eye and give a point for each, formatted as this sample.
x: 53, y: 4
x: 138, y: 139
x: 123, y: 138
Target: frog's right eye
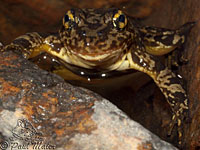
x: 69, y: 19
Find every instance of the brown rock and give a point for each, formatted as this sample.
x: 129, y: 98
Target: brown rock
x: 39, y: 107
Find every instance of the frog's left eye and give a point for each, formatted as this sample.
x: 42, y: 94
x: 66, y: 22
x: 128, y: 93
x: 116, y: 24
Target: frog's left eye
x: 69, y: 19
x: 119, y: 20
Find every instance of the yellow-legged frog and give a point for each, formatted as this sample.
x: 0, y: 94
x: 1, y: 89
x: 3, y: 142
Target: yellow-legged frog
x: 99, y: 41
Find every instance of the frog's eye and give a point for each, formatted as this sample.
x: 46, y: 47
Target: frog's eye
x: 119, y: 20
x: 69, y: 19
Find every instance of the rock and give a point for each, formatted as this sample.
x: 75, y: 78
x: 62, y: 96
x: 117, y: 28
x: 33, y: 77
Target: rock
x: 39, y: 110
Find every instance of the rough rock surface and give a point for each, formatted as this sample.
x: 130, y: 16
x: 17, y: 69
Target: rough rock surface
x: 38, y: 109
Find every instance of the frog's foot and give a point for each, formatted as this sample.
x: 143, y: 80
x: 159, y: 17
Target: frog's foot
x: 175, y: 59
x: 177, y: 119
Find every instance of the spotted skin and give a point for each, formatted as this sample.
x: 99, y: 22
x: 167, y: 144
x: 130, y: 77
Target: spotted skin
x: 168, y: 83
x: 160, y: 41
x: 105, y: 40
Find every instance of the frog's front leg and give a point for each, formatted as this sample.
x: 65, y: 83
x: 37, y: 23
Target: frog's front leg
x: 32, y: 44
x: 26, y: 44
x: 166, y: 80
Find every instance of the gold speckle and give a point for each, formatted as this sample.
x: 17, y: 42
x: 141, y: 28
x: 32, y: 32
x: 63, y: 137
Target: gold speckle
x: 164, y: 37
x: 179, y: 122
x: 176, y: 39
x: 167, y: 32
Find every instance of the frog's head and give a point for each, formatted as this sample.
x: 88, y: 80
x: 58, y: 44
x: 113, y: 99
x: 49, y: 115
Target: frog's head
x: 98, y: 36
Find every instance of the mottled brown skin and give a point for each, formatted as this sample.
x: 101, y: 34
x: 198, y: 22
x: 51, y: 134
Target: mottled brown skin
x: 105, y: 40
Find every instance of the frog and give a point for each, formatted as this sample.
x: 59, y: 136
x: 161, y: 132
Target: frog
x: 96, y: 42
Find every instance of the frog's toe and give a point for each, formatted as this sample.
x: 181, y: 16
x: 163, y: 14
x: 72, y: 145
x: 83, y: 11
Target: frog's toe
x: 177, y: 120
x: 171, y: 125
